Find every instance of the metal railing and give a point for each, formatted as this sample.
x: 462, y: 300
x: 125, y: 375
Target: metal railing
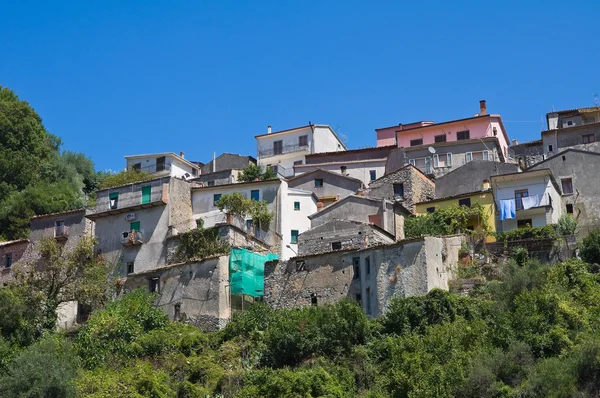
x: 285, y: 149
x: 538, y: 201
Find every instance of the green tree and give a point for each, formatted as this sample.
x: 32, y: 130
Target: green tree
x: 255, y: 172
x: 590, y: 248
x: 237, y: 205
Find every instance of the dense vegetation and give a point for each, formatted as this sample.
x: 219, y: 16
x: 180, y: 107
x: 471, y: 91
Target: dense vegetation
x: 447, y: 221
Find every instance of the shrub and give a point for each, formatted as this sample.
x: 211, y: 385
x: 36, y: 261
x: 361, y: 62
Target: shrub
x: 446, y: 221
x: 124, y: 177
x: 590, y: 248
x: 547, y: 231
x: 567, y: 225
x: 201, y: 243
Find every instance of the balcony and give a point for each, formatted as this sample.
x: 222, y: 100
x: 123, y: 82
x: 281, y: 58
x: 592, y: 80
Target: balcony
x: 61, y: 232
x: 284, y: 150
x: 131, y: 238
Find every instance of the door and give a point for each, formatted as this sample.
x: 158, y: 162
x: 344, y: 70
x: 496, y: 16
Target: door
x: 277, y: 147
x: 146, y: 191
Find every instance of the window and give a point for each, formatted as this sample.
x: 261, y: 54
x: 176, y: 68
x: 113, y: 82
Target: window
x: 294, y: 237
x: 368, y: 265
x: 318, y: 183
x: 313, y: 299
x: 356, y: 266
x: 249, y: 225
x: 550, y: 148
x: 486, y: 155
x: 303, y: 140
x: 160, y: 163
x: 297, y: 206
x: 8, y: 261
x: 297, y: 163
x: 300, y: 265
x: 274, y: 168
x: 358, y: 299
x: 134, y: 226
x: 177, y: 311
x: 343, y: 169
x: 416, y: 142
x: 155, y: 285
x: 216, y: 198
x: 130, y: 267
x: 463, y: 135
x: 444, y: 160
x: 440, y: 138
x: 430, y: 209
x: 570, y: 208
x: 59, y: 228
x: 465, y: 202
x: 137, y: 167
x: 524, y: 223
x: 368, y: 291
x: 398, y: 190
x: 113, y: 200
x: 373, y: 175
x: 569, y: 123
x: 211, y: 183
x: 588, y: 138
x: 255, y: 194
x: 146, y: 194
x: 277, y: 147
x: 194, y: 172
x: 567, y: 186
x: 519, y: 195
x: 336, y: 245
x: 469, y: 157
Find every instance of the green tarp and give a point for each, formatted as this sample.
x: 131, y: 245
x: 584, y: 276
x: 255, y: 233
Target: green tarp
x: 247, y: 272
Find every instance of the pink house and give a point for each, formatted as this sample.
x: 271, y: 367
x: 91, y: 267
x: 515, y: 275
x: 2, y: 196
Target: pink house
x: 482, y: 125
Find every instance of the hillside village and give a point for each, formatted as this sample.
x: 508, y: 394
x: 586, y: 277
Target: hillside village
x: 324, y: 222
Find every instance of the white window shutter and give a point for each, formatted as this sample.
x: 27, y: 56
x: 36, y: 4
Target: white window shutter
x: 448, y: 159
x: 436, y: 160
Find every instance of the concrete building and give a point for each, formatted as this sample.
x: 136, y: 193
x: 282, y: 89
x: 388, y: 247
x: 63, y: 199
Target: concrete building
x: 438, y: 148
x: 163, y: 164
x: 365, y: 164
x: 282, y: 150
x: 222, y: 177
x: 342, y: 235
x: 577, y: 173
x: 381, y: 212
x: 471, y: 177
x: 228, y: 161
x: 482, y: 197
x: 298, y: 206
x: 133, y: 221
x: 584, y: 137
x: 407, y: 186
x: 328, y: 186
x: 518, y: 188
x: 372, y: 276
x: 572, y: 118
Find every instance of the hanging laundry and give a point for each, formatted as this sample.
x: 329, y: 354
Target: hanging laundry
x: 531, y: 201
x: 507, y: 209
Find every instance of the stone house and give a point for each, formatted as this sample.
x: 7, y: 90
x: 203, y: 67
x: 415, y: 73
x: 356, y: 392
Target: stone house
x: 11, y: 254
x: 328, y: 186
x: 407, y: 185
x: 527, y: 154
x: 372, y: 276
x: 342, y: 235
x: 471, y: 177
x: 576, y: 171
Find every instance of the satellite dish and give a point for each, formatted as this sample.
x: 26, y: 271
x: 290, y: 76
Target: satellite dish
x: 431, y: 149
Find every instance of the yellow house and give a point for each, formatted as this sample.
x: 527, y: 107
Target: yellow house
x: 484, y: 198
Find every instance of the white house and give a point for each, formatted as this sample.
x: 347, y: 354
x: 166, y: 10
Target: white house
x: 282, y: 150
x: 535, y: 196
x: 163, y: 164
x: 298, y: 206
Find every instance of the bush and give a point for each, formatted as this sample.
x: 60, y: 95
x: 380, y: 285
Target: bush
x: 567, y: 225
x: 46, y: 369
x: 124, y: 177
x: 590, y: 248
x: 547, y: 231
x: 446, y: 221
x: 201, y: 243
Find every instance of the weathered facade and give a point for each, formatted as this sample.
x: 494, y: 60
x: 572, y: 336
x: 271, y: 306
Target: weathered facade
x: 228, y: 161
x: 326, y: 185
x: 584, y: 137
x: 371, y: 276
x: 576, y: 171
x: 527, y: 154
x: 342, y: 235
x: 222, y: 177
x: 472, y: 177
x: 11, y: 253
x: 407, y: 185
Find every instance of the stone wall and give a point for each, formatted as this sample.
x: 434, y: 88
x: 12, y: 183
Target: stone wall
x: 529, y: 153
x: 180, y: 206
x: 417, y: 187
x: 16, y: 250
x: 407, y: 268
x: 349, y: 234
x: 196, y: 293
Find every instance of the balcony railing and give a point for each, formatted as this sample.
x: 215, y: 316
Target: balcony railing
x: 530, y: 202
x: 269, y: 152
x: 282, y: 171
x: 131, y: 238
x: 61, y: 232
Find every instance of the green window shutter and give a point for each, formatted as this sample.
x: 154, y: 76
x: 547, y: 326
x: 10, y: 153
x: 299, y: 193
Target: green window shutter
x: 114, y: 195
x: 294, y: 236
x: 134, y: 226
x: 146, y: 193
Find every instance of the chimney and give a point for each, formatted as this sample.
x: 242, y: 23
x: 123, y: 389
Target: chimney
x: 268, y: 129
x: 182, y: 155
x: 515, y: 142
x: 486, y: 184
x: 482, y: 108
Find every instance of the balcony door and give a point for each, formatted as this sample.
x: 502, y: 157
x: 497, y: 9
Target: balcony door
x: 160, y: 163
x: 519, y: 195
x: 277, y: 147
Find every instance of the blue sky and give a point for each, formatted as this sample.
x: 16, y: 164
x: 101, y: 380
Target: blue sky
x: 113, y: 78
